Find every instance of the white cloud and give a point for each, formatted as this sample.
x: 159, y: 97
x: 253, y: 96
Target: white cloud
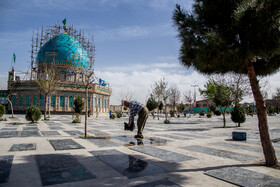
x: 140, y: 81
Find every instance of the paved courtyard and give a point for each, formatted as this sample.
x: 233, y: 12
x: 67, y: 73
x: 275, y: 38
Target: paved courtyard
x: 188, y: 152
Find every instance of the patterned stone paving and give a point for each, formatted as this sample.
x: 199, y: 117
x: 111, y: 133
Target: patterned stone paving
x: 50, y: 133
x: 148, y: 162
x: 127, y: 165
x: 61, y: 168
x: 221, y: 153
x: 23, y: 147
x: 65, y: 144
x: 99, y: 142
x: 5, y: 167
x: 28, y: 133
x: 159, y: 183
x: 162, y: 154
x: 243, y: 177
x: 9, y: 134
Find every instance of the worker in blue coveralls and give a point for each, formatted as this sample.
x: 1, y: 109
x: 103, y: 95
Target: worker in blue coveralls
x: 142, y: 111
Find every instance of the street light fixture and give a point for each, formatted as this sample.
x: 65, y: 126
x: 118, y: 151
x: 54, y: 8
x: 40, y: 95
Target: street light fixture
x: 194, y: 100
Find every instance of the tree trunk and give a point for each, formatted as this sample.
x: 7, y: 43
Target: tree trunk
x: 45, y: 106
x: 165, y: 112
x: 158, y: 111
x: 224, y: 116
x: 12, y: 108
x: 268, y: 150
x: 86, y: 111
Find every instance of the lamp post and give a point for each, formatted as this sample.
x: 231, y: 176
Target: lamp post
x: 194, y: 96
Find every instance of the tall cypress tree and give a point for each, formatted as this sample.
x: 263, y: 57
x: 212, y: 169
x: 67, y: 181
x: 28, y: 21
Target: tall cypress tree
x: 240, y: 36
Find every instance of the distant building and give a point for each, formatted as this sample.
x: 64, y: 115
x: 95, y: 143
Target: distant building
x: 71, y: 56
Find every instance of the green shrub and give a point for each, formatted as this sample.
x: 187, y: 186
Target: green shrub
x: 112, y: 116
x: 217, y: 112
x: 209, y: 115
x: 33, y: 114
x: 238, y: 115
x: 119, y: 114
x: 167, y: 121
x: 2, y: 110
x: 227, y: 112
x: 271, y: 110
x: 172, y: 113
x: 78, y: 105
x: 202, y: 113
x: 212, y: 108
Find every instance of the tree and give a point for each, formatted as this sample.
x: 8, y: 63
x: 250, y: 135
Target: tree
x: 239, y: 84
x: 181, y: 107
x: 152, y: 105
x: 157, y: 91
x: 174, y: 96
x: 165, y: 95
x: 88, y: 81
x: 33, y: 114
x: 2, y: 110
x: 238, y: 115
x: 188, y: 99
x: 46, y: 82
x: 234, y: 36
x: 160, y: 106
x: 78, y: 105
x: 12, y: 93
x: 220, y: 94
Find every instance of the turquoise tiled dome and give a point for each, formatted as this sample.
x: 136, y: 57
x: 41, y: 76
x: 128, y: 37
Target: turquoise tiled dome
x: 63, y: 50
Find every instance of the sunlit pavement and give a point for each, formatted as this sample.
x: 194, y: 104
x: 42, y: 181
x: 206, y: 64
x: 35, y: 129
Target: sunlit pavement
x: 191, y: 151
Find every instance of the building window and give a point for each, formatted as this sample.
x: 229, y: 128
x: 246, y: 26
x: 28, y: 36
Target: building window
x: 41, y: 100
x: 27, y: 101
x: 102, y: 103
x: 80, y: 78
x: 53, y: 100
x: 20, y: 100
x: 88, y: 101
x: 62, y: 76
x: 71, y: 101
x: 34, y: 100
x: 72, y: 77
x: 95, y: 102
x: 62, y: 101
x: 14, y: 100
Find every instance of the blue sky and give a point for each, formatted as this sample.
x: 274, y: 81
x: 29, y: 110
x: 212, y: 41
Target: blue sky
x: 136, y: 44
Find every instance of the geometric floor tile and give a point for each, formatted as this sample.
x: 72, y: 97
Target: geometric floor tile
x: 74, y: 132
x: 23, y: 147
x: 30, y: 128
x: 61, y: 168
x: 5, y: 167
x: 127, y: 165
x: 50, y: 133
x: 159, y: 183
x: 29, y: 133
x: 221, y: 153
x: 243, y: 177
x: 65, y: 144
x: 8, y: 134
x: 103, y: 143
x: 162, y: 154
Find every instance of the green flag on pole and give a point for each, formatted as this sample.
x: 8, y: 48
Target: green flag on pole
x: 14, y: 57
x: 64, y: 21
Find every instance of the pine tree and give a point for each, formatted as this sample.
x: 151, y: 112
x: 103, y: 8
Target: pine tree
x: 238, y: 115
x: 240, y: 36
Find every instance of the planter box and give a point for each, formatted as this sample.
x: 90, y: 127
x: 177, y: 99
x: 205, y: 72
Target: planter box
x: 239, y: 136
